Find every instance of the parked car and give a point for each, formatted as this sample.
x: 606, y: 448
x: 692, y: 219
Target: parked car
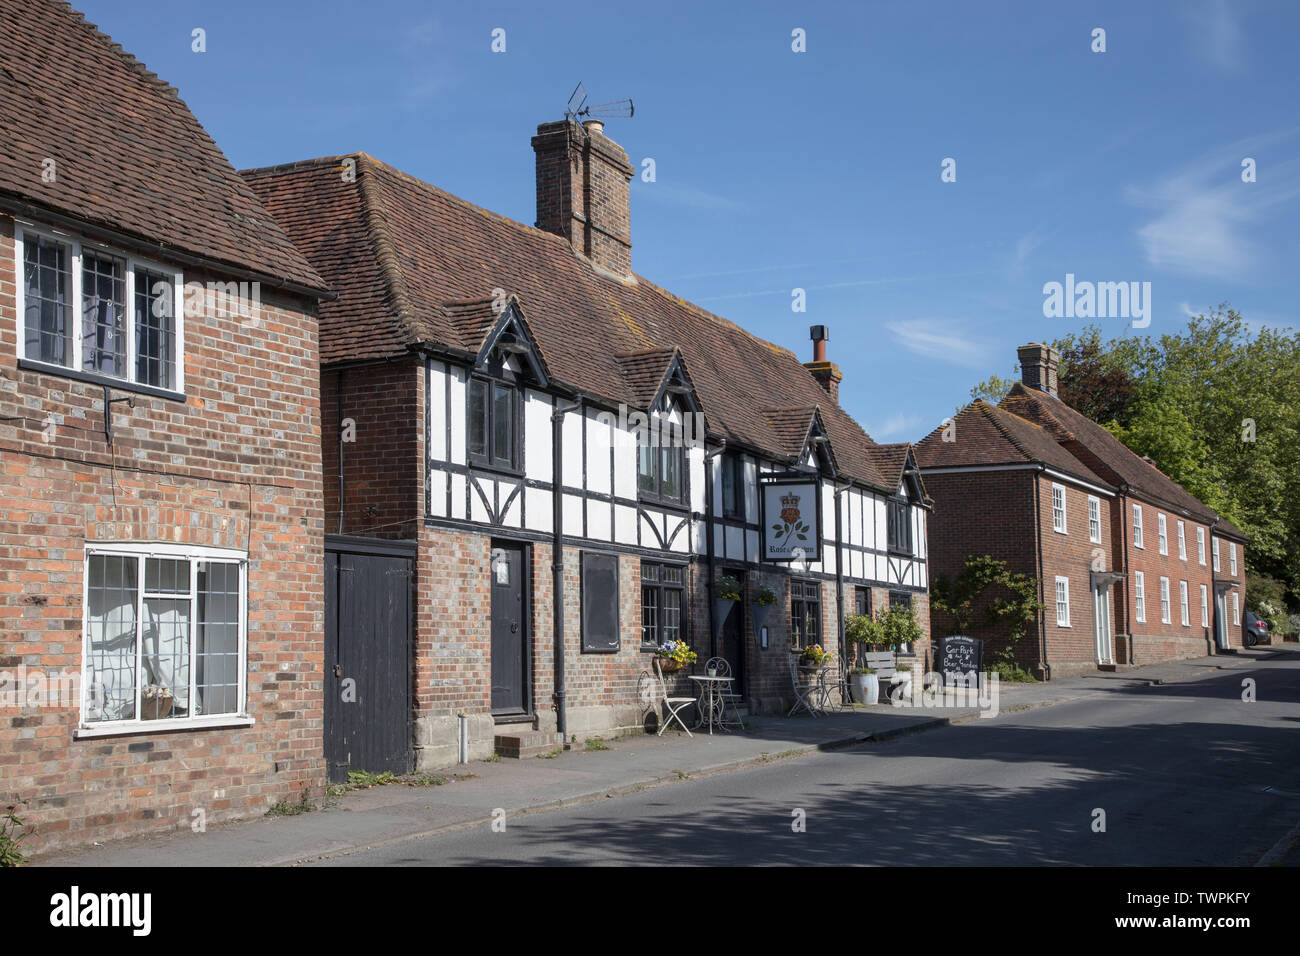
x: 1256, y: 630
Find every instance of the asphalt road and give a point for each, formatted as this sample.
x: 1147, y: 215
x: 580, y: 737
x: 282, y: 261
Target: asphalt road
x: 1186, y: 774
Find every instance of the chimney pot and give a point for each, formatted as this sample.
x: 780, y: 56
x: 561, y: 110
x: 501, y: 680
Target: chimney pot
x: 828, y: 374
x: 594, y: 126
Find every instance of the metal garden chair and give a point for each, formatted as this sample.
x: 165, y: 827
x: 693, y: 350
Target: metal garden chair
x: 726, y: 698
x: 674, y: 705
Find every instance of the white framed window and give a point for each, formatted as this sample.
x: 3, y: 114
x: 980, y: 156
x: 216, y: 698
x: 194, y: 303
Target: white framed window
x: 1058, y: 509
x: 1232, y: 558
x: 165, y: 640
x: 1185, y: 613
x: 1094, y: 519
x: 1215, y: 551
x: 1200, y: 546
x: 1137, y: 525
x: 1205, y: 606
x: 1164, y: 600
x: 1062, y: 602
x: 89, y: 310
x: 1140, y: 596
x: 1236, y: 609
x: 1182, y: 543
x: 1162, y: 534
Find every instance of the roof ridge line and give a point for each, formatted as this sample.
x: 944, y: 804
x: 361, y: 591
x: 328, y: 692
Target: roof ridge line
x: 985, y: 410
x: 376, y: 215
x: 135, y: 65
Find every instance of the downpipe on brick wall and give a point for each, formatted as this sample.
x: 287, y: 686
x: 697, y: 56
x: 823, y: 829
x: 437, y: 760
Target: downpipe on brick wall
x: 557, y: 556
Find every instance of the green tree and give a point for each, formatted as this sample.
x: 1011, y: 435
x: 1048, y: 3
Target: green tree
x: 1217, y: 407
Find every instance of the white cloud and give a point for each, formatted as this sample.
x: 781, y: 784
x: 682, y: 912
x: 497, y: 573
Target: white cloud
x: 1205, y: 215
x: 900, y: 424
x: 940, y: 340
x: 687, y: 196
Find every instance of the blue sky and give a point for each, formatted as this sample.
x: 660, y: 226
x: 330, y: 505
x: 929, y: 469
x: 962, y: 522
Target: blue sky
x: 819, y: 170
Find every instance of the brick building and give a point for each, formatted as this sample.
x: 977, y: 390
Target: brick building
x: 1132, y: 568
x: 160, y: 578
x: 470, y: 366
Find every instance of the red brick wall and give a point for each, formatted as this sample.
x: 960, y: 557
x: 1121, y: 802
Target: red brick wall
x: 237, y: 465
x: 1154, y: 641
x: 1073, y: 650
x: 978, y: 513
x: 382, y: 483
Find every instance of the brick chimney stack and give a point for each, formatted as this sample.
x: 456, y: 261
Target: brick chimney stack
x: 584, y: 192
x: 1038, y: 366
x: 828, y: 374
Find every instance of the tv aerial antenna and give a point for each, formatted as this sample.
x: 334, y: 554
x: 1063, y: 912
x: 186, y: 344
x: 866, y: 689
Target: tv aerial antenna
x: 579, y: 110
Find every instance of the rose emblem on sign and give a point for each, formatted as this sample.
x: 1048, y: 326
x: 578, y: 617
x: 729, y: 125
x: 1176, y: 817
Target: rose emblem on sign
x: 793, y: 526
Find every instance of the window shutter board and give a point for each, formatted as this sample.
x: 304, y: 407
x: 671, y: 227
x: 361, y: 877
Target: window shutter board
x: 600, y: 625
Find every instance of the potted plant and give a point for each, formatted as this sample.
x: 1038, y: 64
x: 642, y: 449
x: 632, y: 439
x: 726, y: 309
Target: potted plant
x: 675, y: 655
x: 725, y: 595
x: 863, y: 630
x: 764, y: 600
x: 814, y: 655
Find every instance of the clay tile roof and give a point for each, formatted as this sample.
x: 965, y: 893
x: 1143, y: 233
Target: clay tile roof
x: 987, y: 434
x: 471, y: 320
x: 645, y: 372
x: 1113, y: 457
x: 129, y: 156
x: 791, y: 426
x: 890, y: 460
x: 398, y: 250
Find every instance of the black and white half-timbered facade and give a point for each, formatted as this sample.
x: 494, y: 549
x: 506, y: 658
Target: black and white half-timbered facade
x: 472, y: 366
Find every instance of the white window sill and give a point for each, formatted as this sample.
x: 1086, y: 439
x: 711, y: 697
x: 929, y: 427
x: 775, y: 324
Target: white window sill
x: 1059, y: 624
x: 1060, y: 531
x: 131, y: 727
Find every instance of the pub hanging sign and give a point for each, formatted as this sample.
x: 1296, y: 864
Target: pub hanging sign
x: 791, y: 518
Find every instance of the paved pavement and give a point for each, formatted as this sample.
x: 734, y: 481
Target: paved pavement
x: 1101, y: 724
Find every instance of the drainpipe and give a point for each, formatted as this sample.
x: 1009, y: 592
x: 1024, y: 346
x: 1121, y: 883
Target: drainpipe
x: 1042, y: 584
x: 839, y: 571
x: 708, y: 544
x: 1214, y: 597
x: 557, y: 556
x: 1123, y: 551
x: 338, y: 427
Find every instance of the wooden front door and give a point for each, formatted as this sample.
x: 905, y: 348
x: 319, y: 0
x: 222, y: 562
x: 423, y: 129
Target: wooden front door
x: 368, y: 646
x: 509, y: 630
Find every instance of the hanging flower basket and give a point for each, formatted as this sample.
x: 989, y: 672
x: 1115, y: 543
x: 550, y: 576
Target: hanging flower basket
x: 670, y: 666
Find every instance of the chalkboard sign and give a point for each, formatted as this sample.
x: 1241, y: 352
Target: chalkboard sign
x: 960, y: 660
x: 600, y: 631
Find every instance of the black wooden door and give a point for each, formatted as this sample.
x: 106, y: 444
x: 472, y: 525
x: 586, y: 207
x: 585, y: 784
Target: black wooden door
x: 509, y: 630
x: 731, y: 643
x: 367, y: 660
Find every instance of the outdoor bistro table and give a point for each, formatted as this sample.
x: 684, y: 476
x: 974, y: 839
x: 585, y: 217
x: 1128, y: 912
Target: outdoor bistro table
x: 709, y: 690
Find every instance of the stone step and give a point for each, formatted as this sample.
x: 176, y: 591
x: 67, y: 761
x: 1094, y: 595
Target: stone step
x: 526, y: 743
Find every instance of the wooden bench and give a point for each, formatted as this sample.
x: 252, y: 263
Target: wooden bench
x: 883, y: 663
